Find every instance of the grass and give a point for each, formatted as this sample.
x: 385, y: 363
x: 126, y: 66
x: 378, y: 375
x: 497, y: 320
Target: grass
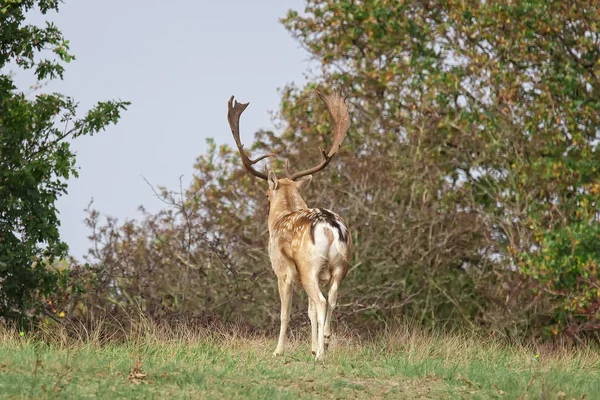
x: 405, y: 364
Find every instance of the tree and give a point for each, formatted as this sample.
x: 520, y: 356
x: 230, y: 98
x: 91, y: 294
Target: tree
x: 35, y: 156
x: 469, y: 178
x: 500, y: 101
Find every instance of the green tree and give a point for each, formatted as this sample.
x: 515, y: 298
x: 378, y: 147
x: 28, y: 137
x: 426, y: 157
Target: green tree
x: 469, y: 177
x: 500, y: 101
x: 35, y: 156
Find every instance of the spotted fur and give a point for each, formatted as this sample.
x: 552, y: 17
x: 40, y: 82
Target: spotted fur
x: 312, y: 217
x: 310, y: 246
x: 307, y: 245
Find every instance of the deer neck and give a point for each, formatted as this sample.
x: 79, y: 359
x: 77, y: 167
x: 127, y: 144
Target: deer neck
x: 283, y: 204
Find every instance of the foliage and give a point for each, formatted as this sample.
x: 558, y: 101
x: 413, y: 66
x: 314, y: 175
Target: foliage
x: 35, y: 156
x: 566, y: 266
x: 501, y: 99
x: 469, y: 176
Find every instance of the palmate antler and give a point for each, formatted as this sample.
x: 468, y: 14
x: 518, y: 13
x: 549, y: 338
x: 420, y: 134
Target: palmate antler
x: 233, y: 116
x: 338, y: 110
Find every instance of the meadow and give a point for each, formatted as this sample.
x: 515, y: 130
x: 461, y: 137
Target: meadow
x: 404, y: 363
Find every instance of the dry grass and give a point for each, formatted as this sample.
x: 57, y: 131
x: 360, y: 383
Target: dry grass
x: 182, y: 362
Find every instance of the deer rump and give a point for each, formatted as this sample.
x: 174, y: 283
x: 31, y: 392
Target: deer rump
x: 329, y: 244
x: 311, y: 245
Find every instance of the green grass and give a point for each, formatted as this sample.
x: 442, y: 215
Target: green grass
x: 404, y: 364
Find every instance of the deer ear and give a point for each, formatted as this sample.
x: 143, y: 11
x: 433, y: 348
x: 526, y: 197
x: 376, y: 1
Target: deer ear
x: 273, y: 181
x: 303, y: 182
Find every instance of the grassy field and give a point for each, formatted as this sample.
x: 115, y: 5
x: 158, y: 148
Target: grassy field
x: 405, y: 364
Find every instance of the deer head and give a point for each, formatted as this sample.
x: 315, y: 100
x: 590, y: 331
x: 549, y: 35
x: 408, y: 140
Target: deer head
x: 284, y: 194
x: 305, y: 244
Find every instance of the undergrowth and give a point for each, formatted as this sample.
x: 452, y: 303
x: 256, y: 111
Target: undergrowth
x: 153, y: 361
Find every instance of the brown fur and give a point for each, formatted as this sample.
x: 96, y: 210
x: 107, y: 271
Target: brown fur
x: 296, y: 255
x: 306, y: 245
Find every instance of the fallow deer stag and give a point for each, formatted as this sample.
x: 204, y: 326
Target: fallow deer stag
x: 306, y: 245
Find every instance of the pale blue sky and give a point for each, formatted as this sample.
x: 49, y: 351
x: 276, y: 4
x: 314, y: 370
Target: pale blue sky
x: 178, y: 62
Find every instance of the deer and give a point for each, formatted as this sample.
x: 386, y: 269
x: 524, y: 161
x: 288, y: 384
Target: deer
x: 309, y: 246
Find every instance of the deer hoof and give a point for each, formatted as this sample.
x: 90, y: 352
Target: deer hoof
x: 319, y: 357
x: 277, y: 353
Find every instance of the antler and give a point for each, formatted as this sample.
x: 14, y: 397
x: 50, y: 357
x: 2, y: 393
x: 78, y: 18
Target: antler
x: 233, y: 116
x: 338, y: 110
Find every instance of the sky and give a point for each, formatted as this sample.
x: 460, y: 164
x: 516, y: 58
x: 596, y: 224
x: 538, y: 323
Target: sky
x: 177, y: 64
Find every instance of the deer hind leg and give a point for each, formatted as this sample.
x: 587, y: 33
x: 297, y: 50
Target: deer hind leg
x: 331, y: 303
x: 285, y: 293
x: 312, y: 315
x: 311, y: 286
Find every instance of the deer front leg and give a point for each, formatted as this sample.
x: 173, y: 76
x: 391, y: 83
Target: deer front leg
x: 285, y: 294
x: 312, y: 315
